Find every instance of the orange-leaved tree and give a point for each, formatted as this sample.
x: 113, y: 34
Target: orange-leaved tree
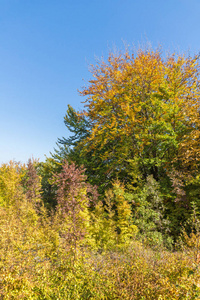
x: 144, y: 108
x: 141, y: 118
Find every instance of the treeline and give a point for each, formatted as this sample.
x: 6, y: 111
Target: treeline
x: 113, y: 213
x: 141, y: 126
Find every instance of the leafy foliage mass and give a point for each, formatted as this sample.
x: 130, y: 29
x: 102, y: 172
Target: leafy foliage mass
x: 126, y: 225
x: 142, y: 121
x: 88, y: 249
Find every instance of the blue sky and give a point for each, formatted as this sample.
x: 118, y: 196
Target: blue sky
x: 47, y: 46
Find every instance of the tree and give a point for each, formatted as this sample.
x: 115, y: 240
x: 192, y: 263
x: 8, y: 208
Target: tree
x: 150, y: 214
x: 73, y: 203
x: 141, y: 109
x: 11, y: 190
x: 71, y: 149
x: 145, y: 107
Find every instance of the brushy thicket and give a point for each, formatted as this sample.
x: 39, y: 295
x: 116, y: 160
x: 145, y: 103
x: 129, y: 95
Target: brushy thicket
x: 88, y: 248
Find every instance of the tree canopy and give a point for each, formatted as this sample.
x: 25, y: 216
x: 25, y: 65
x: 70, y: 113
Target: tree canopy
x: 142, y: 110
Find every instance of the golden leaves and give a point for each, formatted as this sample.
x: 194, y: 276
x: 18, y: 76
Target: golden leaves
x: 145, y: 100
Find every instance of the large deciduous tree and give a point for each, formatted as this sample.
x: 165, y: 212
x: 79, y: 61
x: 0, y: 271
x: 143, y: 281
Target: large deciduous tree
x: 142, y: 113
x: 145, y: 107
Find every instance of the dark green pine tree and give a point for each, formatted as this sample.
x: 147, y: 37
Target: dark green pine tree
x: 98, y: 170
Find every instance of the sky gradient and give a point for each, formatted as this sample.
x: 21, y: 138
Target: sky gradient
x: 46, y: 48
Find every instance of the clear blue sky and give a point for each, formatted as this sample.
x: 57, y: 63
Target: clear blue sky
x: 47, y: 45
